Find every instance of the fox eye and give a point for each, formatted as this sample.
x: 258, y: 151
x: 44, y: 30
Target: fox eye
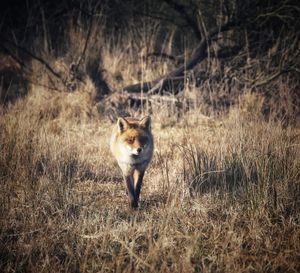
x: 130, y: 140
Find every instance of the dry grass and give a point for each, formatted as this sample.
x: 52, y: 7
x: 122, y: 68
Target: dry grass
x: 221, y: 195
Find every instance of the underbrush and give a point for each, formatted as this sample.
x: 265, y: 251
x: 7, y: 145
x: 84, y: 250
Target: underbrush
x: 220, y: 195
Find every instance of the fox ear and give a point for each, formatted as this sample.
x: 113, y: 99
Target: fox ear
x: 122, y: 124
x: 145, y: 123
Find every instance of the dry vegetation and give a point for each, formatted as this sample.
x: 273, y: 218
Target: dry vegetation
x: 221, y: 193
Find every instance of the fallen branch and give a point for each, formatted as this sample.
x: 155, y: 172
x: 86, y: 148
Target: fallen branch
x: 160, y: 55
x: 155, y: 85
x: 200, y: 54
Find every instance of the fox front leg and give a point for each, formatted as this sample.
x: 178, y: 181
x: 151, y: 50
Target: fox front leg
x: 130, y: 191
x: 138, y: 178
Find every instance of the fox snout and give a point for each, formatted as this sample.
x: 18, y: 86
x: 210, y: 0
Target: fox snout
x: 137, y: 151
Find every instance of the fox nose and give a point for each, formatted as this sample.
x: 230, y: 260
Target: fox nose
x: 139, y: 150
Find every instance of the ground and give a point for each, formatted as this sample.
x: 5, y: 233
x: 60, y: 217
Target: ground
x: 220, y: 195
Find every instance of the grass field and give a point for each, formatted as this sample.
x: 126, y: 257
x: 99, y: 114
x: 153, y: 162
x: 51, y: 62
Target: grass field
x: 221, y: 193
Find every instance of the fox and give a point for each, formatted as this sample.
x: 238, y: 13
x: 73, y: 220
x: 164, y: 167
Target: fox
x: 132, y: 146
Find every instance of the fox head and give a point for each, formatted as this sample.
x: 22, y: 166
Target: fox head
x: 135, y: 135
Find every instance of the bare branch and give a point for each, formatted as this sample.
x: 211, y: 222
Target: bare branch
x: 39, y: 59
x: 199, y: 55
x: 11, y: 54
x: 86, y: 42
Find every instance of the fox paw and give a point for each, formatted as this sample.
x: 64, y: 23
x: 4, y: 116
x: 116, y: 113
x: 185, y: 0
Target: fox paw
x: 134, y: 204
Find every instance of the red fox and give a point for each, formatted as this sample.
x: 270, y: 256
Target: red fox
x: 132, y: 145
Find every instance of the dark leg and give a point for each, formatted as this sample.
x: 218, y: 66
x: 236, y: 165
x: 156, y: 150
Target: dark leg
x: 130, y: 191
x: 138, y: 177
